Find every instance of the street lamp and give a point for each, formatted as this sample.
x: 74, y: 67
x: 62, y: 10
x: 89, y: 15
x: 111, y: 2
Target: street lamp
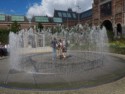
x: 29, y: 19
x: 78, y: 12
x: 67, y: 14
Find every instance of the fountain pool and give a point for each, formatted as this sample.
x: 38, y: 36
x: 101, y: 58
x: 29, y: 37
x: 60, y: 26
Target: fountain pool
x: 88, y: 62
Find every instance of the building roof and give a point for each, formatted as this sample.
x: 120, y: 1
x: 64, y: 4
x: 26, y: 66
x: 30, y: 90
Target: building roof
x: 46, y: 19
x: 11, y: 18
x: 70, y: 15
x: 86, y: 14
x: 57, y: 20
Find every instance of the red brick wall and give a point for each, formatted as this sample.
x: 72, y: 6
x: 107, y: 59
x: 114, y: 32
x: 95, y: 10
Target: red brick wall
x: 118, y: 6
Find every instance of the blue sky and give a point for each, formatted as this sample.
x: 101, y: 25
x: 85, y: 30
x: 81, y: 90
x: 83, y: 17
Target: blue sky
x: 32, y: 8
x: 19, y: 7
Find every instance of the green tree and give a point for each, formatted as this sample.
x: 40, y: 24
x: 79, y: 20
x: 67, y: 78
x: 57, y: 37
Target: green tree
x: 53, y: 31
x: 40, y: 26
x: 4, y: 36
x: 110, y: 35
x: 15, y: 27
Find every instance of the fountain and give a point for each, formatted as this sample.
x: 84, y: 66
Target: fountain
x: 88, y: 62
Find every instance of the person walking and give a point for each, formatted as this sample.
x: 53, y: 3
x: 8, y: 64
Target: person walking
x: 54, y: 46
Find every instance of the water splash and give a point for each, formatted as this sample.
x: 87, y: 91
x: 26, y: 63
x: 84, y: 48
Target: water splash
x: 80, y: 38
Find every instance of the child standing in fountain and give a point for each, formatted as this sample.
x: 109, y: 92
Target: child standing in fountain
x: 60, y: 49
x: 64, y: 48
x: 54, y: 46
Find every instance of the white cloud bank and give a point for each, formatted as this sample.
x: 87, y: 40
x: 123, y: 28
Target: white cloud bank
x: 47, y: 6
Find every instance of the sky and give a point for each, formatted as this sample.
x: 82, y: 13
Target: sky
x: 31, y: 8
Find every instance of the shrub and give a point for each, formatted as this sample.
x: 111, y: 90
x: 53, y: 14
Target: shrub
x: 4, y: 36
x: 117, y: 47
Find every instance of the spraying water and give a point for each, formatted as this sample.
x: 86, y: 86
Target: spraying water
x: 87, y: 61
x: 85, y: 52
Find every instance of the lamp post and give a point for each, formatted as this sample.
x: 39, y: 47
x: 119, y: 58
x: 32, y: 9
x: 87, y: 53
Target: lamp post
x: 67, y: 13
x: 29, y: 19
x: 78, y: 12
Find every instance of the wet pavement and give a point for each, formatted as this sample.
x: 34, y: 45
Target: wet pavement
x: 83, y: 75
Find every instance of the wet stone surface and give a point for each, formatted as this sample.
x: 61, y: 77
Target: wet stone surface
x: 77, y: 70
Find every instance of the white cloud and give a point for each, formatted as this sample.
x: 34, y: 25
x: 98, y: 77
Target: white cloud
x: 12, y: 11
x: 47, y: 6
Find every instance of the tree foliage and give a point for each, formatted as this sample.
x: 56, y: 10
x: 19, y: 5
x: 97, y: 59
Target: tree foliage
x: 15, y: 27
x: 4, y: 36
x: 40, y: 26
x: 110, y: 35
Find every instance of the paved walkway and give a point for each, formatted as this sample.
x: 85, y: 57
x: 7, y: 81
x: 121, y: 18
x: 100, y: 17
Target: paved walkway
x: 117, y: 87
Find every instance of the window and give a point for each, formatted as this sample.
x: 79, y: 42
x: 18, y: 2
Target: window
x: 57, y: 20
x: 74, y: 15
x: 17, y: 18
x: 64, y: 14
x: 59, y: 14
x: 41, y: 19
x: 69, y: 15
x: 86, y: 14
x: 2, y: 17
x: 106, y: 9
x: 96, y: 2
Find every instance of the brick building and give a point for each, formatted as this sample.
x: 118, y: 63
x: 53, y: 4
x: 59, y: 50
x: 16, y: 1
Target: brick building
x: 7, y: 20
x: 110, y: 13
x: 71, y: 18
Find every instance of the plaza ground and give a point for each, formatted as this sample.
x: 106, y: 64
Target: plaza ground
x: 116, y: 87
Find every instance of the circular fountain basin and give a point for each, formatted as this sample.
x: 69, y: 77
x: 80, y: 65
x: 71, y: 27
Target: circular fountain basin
x: 78, y: 69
